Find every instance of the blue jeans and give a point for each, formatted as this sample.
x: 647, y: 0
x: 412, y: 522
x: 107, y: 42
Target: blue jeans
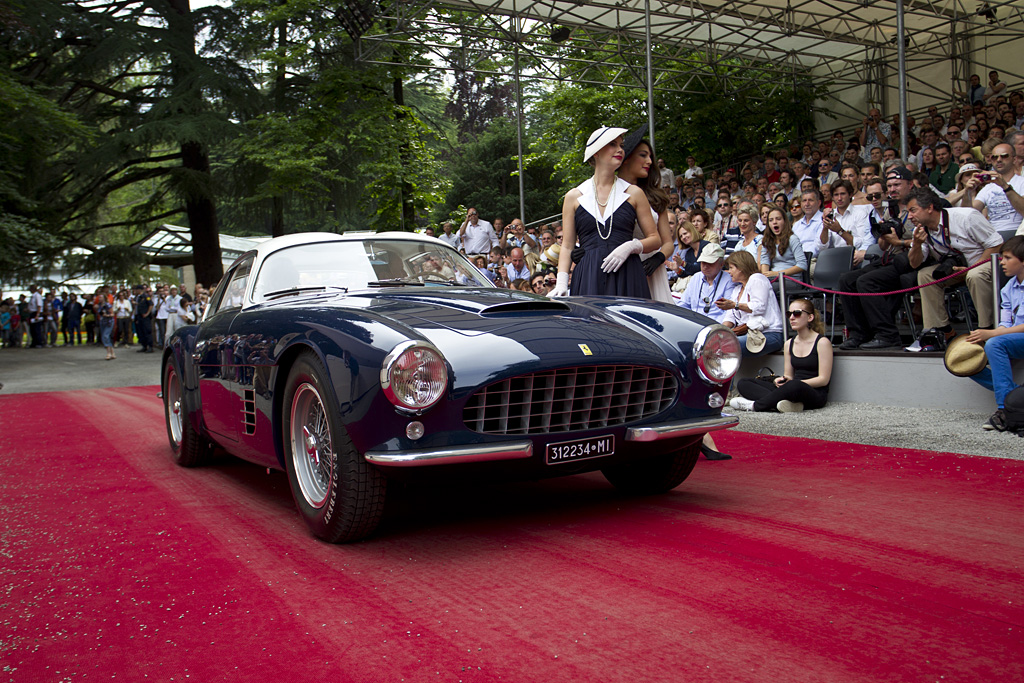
x: 998, y: 376
x: 772, y: 343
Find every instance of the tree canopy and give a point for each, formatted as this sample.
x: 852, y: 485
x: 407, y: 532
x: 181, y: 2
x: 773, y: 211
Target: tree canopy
x: 256, y: 119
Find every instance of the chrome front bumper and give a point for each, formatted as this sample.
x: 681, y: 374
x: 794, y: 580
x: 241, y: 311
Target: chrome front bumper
x: 516, y: 450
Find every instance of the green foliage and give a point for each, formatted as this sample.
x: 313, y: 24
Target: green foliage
x: 485, y: 175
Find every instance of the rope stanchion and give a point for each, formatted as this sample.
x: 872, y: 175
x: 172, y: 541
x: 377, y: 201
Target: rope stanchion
x: 898, y: 291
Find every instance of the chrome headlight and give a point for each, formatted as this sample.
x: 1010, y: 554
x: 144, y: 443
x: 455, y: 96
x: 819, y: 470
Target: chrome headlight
x: 414, y: 375
x: 717, y: 353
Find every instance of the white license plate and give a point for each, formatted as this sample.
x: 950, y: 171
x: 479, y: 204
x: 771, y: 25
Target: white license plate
x: 581, y: 449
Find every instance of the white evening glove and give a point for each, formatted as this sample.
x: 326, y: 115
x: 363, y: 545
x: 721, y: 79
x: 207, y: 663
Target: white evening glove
x: 613, y: 261
x: 561, y: 286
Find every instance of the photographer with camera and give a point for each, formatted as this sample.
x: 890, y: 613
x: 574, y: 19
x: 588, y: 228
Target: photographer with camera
x: 874, y: 133
x: 515, y: 235
x: 998, y: 192
x: 871, y: 320
x: 956, y: 238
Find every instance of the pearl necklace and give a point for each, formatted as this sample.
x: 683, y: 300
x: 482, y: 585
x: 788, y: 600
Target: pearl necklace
x: 610, y: 222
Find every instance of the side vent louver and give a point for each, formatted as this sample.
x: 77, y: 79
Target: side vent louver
x: 249, y: 411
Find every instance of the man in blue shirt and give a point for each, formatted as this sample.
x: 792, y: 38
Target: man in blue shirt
x: 1006, y: 341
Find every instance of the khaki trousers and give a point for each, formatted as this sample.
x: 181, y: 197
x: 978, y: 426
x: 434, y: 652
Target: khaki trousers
x: 933, y: 303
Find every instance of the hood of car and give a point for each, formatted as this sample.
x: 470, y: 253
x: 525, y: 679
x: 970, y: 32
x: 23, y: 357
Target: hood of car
x: 484, y: 332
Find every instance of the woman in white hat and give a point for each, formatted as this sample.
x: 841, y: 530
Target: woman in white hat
x: 601, y: 212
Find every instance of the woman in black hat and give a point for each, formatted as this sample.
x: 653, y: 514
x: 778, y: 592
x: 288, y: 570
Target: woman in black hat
x: 601, y: 212
x: 635, y: 171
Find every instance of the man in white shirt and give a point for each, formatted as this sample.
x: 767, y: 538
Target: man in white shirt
x: 477, y: 235
x: 941, y: 232
x: 692, y: 169
x: 999, y: 198
x: 668, y: 176
x: 845, y: 224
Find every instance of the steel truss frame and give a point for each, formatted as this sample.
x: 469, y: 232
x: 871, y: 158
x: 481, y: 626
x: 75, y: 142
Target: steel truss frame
x: 755, y: 47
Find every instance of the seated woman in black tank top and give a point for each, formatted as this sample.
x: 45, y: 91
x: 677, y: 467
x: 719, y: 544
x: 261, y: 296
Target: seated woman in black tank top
x: 804, y: 383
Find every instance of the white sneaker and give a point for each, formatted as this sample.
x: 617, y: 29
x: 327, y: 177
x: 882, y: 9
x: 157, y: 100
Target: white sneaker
x: 740, y: 403
x: 789, y: 407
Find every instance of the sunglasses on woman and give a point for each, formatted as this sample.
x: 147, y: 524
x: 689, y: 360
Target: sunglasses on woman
x: 797, y: 313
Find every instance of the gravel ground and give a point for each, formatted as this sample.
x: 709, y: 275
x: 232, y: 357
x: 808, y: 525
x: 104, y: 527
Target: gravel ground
x: 924, y: 428
x: 82, y: 367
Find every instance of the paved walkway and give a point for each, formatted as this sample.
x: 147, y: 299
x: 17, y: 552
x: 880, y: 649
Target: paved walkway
x: 64, y: 368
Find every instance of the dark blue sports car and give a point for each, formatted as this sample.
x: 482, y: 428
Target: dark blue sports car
x: 350, y: 360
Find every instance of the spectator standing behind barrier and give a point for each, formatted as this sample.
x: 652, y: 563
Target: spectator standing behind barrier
x: 1006, y: 342
x: 871, y: 320
x: 123, y: 315
x: 943, y: 233
x: 808, y: 369
x: 105, y: 311
x: 73, y: 319
x: 477, y: 235
x: 754, y: 307
x: 999, y: 192
x: 144, y: 318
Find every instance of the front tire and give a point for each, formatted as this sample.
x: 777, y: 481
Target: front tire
x: 189, y: 447
x: 339, y: 495
x: 657, y: 474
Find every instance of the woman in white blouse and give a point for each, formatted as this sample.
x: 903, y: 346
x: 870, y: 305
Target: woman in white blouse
x: 753, y: 306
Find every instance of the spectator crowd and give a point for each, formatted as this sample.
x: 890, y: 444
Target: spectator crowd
x: 141, y: 314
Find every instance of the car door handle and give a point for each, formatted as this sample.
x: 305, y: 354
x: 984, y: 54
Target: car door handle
x: 197, y: 352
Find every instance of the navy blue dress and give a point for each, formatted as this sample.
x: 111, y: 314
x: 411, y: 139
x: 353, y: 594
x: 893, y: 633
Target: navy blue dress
x: 588, y: 278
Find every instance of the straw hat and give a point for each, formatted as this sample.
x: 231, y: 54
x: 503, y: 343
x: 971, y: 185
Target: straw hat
x: 964, y: 358
x: 755, y: 340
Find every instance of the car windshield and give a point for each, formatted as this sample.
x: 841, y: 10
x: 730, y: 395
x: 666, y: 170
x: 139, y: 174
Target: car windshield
x: 363, y: 264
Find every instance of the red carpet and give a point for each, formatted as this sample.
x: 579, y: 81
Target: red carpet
x: 799, y: 560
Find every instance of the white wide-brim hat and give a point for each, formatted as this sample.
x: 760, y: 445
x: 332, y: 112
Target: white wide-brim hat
x: 599, y: 138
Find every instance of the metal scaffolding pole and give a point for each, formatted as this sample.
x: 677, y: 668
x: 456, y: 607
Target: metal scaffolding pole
x: 650, y: 77
x: 519, y: 127
x: 902, y: 58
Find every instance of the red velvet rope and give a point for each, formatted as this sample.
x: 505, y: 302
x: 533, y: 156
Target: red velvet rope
x: 898, y: 291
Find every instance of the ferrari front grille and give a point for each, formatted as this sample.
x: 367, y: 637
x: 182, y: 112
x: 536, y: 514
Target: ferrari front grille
x: 570, y: 399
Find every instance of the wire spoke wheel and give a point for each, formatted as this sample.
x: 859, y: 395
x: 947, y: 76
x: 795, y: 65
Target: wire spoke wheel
x: 312, y: 450
x: 339, y: 495
x: 172, y: 406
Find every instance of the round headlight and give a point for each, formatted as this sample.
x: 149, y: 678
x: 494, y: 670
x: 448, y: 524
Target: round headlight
x: 414, y: 376
x: 717, y: 352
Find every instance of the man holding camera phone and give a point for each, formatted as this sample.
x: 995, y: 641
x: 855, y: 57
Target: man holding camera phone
x: 998, y: 192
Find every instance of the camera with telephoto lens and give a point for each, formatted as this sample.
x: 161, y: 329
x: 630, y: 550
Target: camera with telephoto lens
x: 889, y: 226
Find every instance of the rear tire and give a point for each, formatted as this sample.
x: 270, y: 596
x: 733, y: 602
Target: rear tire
x: 339, y: 495
x: 188, y: 446
x: 657, y: 474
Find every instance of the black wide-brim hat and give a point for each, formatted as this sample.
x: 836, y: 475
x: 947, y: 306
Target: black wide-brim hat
x: 632, y: 141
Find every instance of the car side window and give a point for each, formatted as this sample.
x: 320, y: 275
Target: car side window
x: 231, y: 296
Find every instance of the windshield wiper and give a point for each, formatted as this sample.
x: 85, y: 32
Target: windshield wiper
x: 395, y: 282
x: 300, y: 290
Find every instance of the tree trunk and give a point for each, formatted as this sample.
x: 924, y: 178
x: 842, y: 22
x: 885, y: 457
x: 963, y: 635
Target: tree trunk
x: 199, y: 204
